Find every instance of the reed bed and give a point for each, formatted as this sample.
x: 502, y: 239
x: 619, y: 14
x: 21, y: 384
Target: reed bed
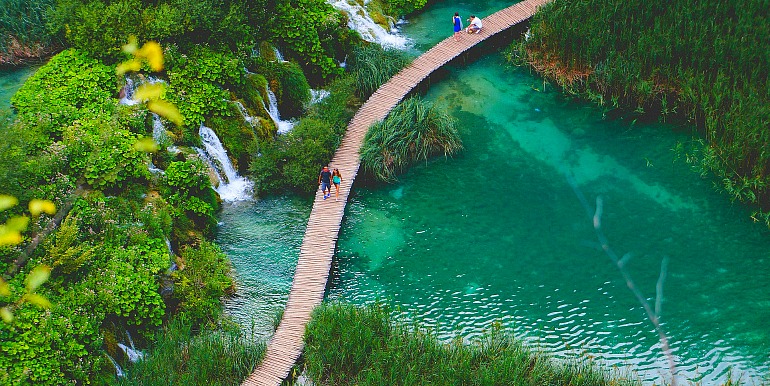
x: 414, y: 131
x: 703, y: 61
x: 179, y: 356
x: 349, y: 345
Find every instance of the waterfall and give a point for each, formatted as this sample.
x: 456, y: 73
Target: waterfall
x: 232, y: 187
x: 318, y: 95
x: 246, y: 117
x: 128, y: 93
x: 118, y: 370
x: 278, y: 55
x: 283, y: 126
x: 132, y: 353
x: 359, y: 20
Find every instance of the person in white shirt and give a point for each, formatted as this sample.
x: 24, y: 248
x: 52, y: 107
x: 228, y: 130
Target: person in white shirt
x: 475, y: 26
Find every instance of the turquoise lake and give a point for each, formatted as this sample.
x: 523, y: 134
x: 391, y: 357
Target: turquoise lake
x: 499, y: 234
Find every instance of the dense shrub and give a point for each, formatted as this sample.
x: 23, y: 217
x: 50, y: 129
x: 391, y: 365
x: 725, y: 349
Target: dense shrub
x: 202, y: 280
x: 198, y: 84
x: 71, y: 86
x: 413, y: 131
x: 187, y: 186
x: 349, y: 345
x: 313, y: 33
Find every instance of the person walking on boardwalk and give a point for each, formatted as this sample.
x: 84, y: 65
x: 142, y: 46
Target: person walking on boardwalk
x: 325, y: 180
x: 475, y: 26
x: 458, y: 23
x: 336, y: 179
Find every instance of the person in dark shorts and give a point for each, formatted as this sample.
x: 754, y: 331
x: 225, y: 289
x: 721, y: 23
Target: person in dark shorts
x: 325, y: 180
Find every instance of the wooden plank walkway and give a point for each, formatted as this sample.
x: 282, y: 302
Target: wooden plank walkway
x: 320, y: 239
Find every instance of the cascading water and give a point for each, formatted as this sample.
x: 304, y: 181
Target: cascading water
x: 232, y: 187
x: 359, y: 20
x: 118, y: 370
x: 272, y: 109
x: 318, y: 95
x: 246, y: 117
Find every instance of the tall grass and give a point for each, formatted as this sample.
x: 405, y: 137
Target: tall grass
x: 349, y: 345
x: 414, y: 131
x: 372, y: 66
x: 706, y: 61
x: 23, y: 33
x: 181, y: 357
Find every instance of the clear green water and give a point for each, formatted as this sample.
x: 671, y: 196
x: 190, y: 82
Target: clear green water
x: 10, y: 82
x: 499, y: 234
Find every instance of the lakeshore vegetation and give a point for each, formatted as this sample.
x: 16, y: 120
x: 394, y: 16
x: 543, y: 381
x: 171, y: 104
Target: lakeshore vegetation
x: 130, y: 251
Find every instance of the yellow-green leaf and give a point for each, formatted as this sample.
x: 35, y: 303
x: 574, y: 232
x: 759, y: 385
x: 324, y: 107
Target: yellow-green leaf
x: 146, y: 145
x: 149, y: 92
x: 128, y: 66
x: 38, y: 300
x: 18, y: 223
x: 166, y: 110
x: 39, y: 206
x: 153, y: 53
x: 5, y: 289
x: 37, y: 277
x: 131, y: 46
x: 7, y: 201
x: 9, y: 237
x: 6, y: 314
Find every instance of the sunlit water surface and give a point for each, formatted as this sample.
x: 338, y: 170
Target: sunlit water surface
x: 499, y: 234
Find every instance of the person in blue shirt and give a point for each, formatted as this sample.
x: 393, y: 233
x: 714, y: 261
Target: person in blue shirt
x: 458, y: 23
x: 325, y: 180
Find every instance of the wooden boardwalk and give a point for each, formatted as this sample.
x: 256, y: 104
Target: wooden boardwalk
x: 323, y: 226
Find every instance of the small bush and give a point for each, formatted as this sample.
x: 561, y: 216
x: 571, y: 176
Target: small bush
x: 202, y: 280
x: 414, y: 131
x: 372, y: 66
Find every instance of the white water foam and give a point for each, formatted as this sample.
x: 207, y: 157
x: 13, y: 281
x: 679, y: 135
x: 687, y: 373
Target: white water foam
x: 232, y: 187
x: 272, y: 109
x: 359, y: 20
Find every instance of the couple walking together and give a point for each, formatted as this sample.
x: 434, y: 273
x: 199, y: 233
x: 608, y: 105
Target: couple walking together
x: 474, y: 27
x: 326, y: 178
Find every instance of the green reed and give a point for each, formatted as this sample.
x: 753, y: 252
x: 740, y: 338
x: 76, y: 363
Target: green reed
x: 180, y: 356
x: 703, y: 61
x: 349, y: 345
x: 414, y: 131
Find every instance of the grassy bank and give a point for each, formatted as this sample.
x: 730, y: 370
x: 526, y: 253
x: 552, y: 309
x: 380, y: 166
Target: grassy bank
x: 349, y: 345
x: 702, y: 61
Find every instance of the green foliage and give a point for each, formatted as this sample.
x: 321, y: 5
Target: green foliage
x: 413, y: 131
x: 314, y: 33
x: 372, y: 66
x: 348, y: 345
x: 706, y: 61
x: 201, y: 281
x: 71, y: 86
x: 106, y: 157
x: 198, y: 83
x: 181, y: 357
x: 402, y: 7
x: 99, y: 26
x: 294, y: 90
x: 186, y: 185
x: 237, y: 136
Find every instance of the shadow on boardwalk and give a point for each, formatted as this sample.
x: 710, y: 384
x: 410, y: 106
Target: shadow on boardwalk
x: 318, y: 246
